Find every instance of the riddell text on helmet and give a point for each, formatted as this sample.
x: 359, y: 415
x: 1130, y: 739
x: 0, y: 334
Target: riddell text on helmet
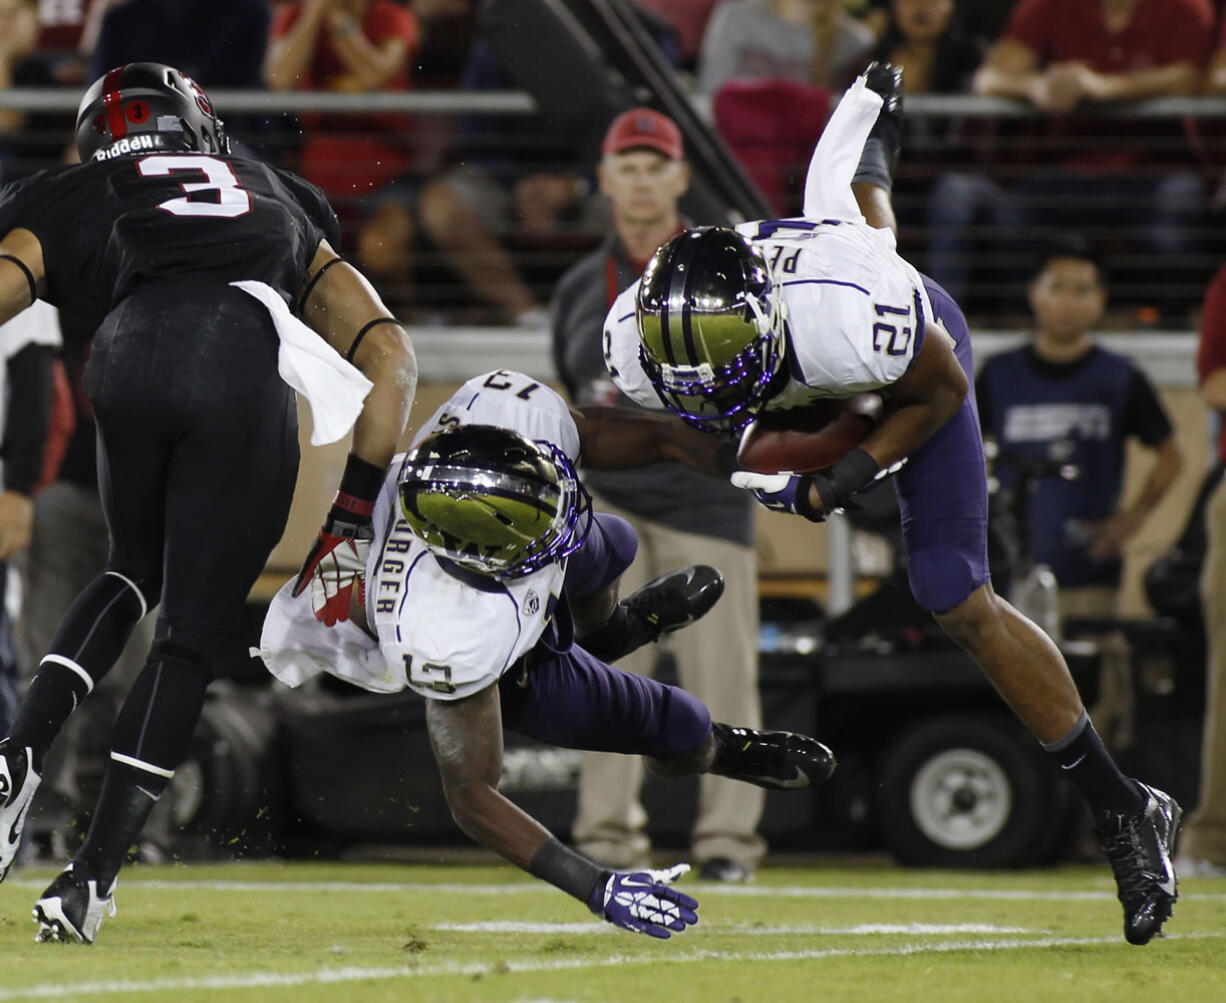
x: 130, y: 144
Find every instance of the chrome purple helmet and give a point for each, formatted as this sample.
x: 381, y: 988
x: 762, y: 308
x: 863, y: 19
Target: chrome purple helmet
x: 710, y: 327
x: 494, y: 501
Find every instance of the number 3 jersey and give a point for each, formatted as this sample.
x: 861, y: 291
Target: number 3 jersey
x: 108, y: 225
x: 442, y: 631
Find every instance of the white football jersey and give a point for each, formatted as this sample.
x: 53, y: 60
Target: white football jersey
x: 443, y: 635
x: 854, y: 307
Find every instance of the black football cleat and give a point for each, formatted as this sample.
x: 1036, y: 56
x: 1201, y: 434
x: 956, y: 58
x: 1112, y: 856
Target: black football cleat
x: 1139, y: 847
x: 776, y: 760
x: 18, y: 782
x: 662, y: 606
x: 72, y: 908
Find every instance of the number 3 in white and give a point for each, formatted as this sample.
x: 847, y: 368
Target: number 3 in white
x: 231, y: 199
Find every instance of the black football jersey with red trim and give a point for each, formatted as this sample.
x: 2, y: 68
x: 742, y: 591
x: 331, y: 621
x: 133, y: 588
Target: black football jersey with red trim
x: 108, y: 225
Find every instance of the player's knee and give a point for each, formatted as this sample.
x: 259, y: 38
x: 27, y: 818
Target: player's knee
x: 145, y: 590
x: 695, y: 762
x: 620, y: 541
x: 941, y: 579
x: 184, y: 656
x: 606, y: 553
x: 192, y: 647
x: 685, y: 726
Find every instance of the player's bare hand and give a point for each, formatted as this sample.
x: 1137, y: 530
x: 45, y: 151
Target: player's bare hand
x: 16, y: 523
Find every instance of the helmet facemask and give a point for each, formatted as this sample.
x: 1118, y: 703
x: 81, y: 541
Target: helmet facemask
x: 493, y: 501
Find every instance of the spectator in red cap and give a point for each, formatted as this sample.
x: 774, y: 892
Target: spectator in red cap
x: 681, y: 517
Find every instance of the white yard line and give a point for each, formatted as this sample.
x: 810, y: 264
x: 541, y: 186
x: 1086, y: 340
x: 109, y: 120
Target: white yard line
x: 742, y: 930
x: 700, y: 888
x: 330, y: 976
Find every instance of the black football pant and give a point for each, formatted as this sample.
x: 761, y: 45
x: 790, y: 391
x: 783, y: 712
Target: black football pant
x: 197, y: 457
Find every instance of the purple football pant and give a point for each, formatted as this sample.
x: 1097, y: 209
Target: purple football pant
x: 572, y: 699
x: 943, y: 490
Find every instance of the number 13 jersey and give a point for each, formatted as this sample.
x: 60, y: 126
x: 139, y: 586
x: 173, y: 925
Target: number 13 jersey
x: 108, y: 225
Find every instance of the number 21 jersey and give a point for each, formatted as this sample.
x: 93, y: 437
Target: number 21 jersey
x: 856, y: 311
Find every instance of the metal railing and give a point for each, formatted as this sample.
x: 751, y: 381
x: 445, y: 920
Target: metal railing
x: 522, y: 103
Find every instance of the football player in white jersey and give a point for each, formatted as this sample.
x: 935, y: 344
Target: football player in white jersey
x: 725, y: 324
x: 487, y: 564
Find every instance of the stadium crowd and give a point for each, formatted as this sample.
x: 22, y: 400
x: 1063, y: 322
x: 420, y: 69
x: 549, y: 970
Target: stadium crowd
x: 474, y: 218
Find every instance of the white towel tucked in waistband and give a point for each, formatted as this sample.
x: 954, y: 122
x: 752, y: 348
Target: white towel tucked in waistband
x: 333, y: 388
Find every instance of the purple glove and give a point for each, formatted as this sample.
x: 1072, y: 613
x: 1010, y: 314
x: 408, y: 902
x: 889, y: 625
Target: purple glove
x: 642, y: 901
x: 781, y: 492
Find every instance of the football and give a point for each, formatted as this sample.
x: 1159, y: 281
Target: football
x: 805, y: 439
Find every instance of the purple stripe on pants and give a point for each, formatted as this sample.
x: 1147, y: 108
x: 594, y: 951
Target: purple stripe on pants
x: 943, y: 491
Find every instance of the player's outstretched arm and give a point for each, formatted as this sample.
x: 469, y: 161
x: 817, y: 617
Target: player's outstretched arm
x: 466, y: 736
x: 347, y: 312
x: 617, y: 437
x: 22, y: 272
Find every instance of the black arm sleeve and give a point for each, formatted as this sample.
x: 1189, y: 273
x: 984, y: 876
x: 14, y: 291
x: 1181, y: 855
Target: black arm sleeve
x: 1145, y: 417
x: 29, y: 414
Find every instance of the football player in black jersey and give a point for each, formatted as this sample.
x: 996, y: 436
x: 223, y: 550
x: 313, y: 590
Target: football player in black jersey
x: 197, y: 436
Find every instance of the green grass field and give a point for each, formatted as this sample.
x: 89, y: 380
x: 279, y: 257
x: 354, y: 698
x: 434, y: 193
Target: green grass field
x: 305, y: 932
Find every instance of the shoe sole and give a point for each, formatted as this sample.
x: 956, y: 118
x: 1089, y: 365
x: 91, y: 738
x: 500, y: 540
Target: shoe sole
x: 53, y: 926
